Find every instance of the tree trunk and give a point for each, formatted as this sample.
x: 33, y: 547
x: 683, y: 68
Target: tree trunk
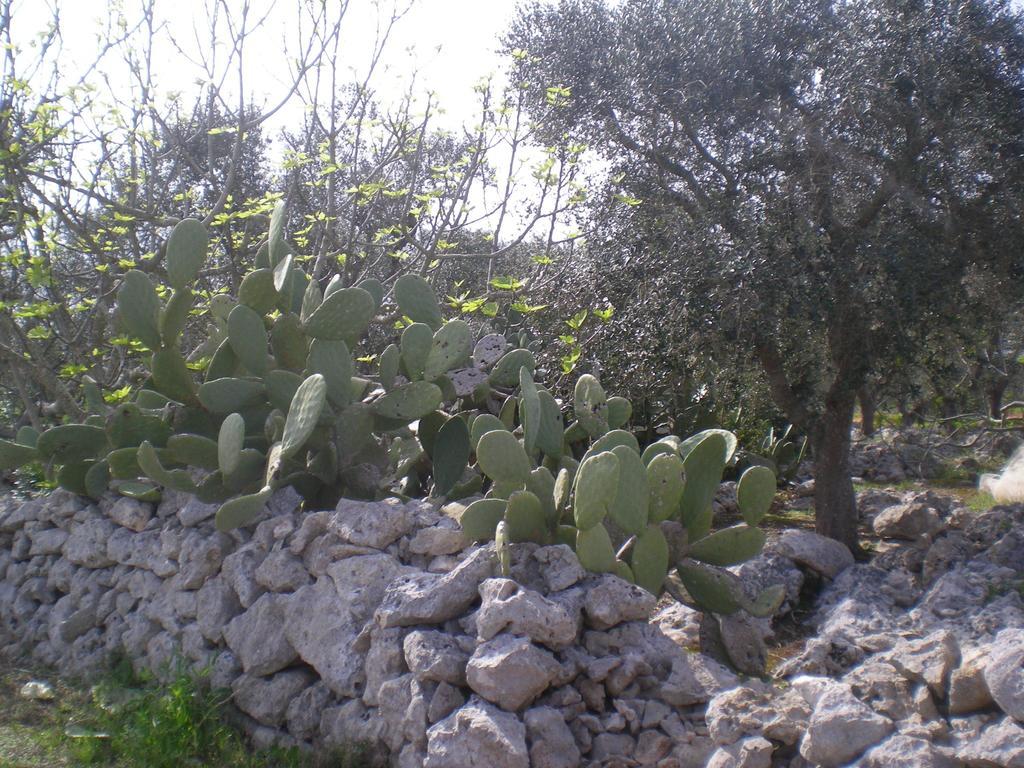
x: 835, y: 504
x: 995, y: 393
x: 867, y: 411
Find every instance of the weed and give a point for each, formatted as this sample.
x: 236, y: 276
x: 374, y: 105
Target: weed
x: 127, y: 721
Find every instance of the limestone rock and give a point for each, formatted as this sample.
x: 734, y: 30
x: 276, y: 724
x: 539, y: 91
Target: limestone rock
x: 304, y: 711
x: 754, y: 711
x: 216, y: 605
x: 257, y: 637
x: 559, y: 567
x: 49, y: 541
x: 281, y: 571
x: 510, y: 671
x: 201, y: 557
x: 376, y: 523
x: 131, y: 513
x: 433, y: 655
x: 508, y: 607
x: 929, y: 660
x: 811, y: 550
x: 968, y: 691
x: 87, y: 544
x: 906, y: 752
x: 352, y: 723
x: 694, y: 679
x: 1004, y: 672
x: 841, y: 728
x: 239, y: 569
x: 999, y: 744
x: 324, y: 619
x: 552, y: 743
x: 610, y: 601
x: 427, y: 598
x: 266, y: 699
x: 446, y: 699
x: 437, y: 540
x: 753, y: 752
x: 910, y: 521
x: 478, y: 734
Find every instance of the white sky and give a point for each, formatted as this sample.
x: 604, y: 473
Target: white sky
x: 450, y: 44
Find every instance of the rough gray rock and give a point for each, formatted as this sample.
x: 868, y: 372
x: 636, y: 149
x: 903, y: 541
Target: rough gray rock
x: 559, y: 567
x: 906, y: 752
x: 510, y: 671
x: 929, y: 660
x: 505, y: 606
x: 378, y: 523
x: 49, y: 541
x: 87, y: 544
x: 1004, y: 672
x: 551, y: 742
x: 216, y: 605
x: 131, y: 513
x: 999, y: 744
x: 811, y: 550
x: 757, y: 711
x: 437, y: 540
x: 610, y: 601
x: 281, y: 571
x: 968, y: 691
x: 324, y: 619
x: 752, y: 752
x: 352, y: 723
x: 911, y: 521
x: 446, y: 699
x: 694, y: 679
x: 257, y: 637
x: 266, y: 699
x: 201, y: 557
x: 239, y: 570
x: 426, y: 598
x: 433, y: 655
x: 478, y: 734
x: 841, y: 728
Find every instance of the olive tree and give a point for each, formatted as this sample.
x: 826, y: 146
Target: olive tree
x: 810, y: 175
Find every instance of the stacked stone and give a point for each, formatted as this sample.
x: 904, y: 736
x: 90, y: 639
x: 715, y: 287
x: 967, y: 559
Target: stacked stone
x: 376, y: 622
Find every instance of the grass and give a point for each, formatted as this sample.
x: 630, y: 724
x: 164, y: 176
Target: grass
x: 126, y: 722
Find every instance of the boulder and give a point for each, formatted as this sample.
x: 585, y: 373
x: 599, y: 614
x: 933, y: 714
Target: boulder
x: 813, y: 551
x: 426, y: 598
x: 433, y: 655
x: 87, y: 544
x: 841, y: 728
x: 551, y: 742
x: 257, y: 637
x: 910, y: 521
x: 266, y: 699
x: 510, y: 671
x: 752, y: 752
x: 378, y: 523
x: 478, y: 734
x: 1004, y: 672
x: 131, y: 513
x: 507, y: 607
x: 610, y: 601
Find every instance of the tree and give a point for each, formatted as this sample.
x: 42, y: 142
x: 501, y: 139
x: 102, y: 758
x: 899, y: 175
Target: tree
x: 821, y: 175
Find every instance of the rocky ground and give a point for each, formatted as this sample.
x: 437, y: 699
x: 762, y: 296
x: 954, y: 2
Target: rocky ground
x: 376, y: 622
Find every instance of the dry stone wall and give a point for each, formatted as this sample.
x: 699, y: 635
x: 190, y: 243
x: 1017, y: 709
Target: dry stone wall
x: 376, y: 623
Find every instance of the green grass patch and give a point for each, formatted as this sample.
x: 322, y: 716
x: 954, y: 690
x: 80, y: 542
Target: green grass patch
x: 123, y: 721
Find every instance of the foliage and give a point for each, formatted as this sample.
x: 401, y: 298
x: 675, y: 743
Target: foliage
x: 539, y: 492
x: 281, y: 402
x: 132, y: 722
x: 814, y: 187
